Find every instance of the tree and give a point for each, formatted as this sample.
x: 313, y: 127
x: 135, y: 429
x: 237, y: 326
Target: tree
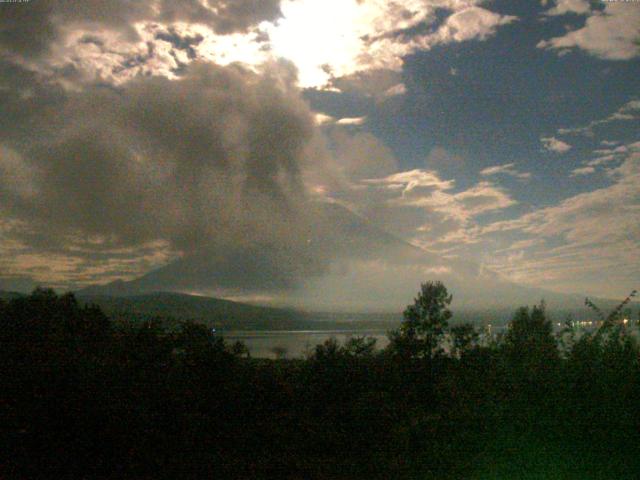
x: 329, y: 351
x: 531, y: 333
x: 239, y: 349
x: 425, y: 323
x: 531, y: 351
x: 359, y: 347
x: 615, y: 317
x: 464, y: 338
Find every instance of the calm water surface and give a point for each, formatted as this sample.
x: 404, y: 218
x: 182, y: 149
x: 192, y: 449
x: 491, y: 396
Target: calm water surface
x: 300, y: 343
x: 296, y: 343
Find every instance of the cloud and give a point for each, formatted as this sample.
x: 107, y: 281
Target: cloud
x: 213, y: 160
x: 422, y: 207
x: 412, y: 180
x: 483, y: 197
x: 146, y: 145
x: 114, y: 42
x: 595, y: 238
x: 552, y: 144
x: 360, y: 155
x: 30, y: 29
x: 371, y: 36
x: 117, y: 41
x: 85, y: 54
x: 582, y: 171
x: 616, y: 150
x: 130, y: 138
x: 625, y: 113
x: 398, y: 89
x: 563, y: 7
x: 506, y: 169
x: 470, y: 23
x: 610, y: 34
x: 631, y: 105
x: 352, y: 121
x: 607, y: 156
x: 600, y: 160
x: 323, y: 119
x: 18, y: 178
x: 378, y: 83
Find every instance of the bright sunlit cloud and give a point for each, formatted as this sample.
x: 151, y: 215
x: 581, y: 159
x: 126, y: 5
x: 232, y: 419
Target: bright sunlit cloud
x: 318, y: 37
x: 328, y: 39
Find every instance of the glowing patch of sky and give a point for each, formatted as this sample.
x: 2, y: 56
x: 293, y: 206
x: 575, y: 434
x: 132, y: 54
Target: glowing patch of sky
x: 313, y: 35
x: 326, y: 38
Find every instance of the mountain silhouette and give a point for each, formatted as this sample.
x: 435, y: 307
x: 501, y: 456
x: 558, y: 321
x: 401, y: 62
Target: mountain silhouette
x: 357, y: 248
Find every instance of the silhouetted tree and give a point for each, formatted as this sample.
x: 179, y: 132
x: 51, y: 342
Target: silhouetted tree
x: 239, y: 349
x: 424, y: 324
x: 531, y: 333
x: 360, y: 347
x: 532, y: 357
x: 464, y: 338
x: 327, y: 351
x: 616, y: 315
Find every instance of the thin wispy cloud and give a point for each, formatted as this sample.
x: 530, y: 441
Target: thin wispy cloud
x: 605, y: 157
x: 590, y: 245
x: 628, y: 111
x: 506, y: 169
x: 352, y: 121
x: 576, y: 172
x: 441, y: 217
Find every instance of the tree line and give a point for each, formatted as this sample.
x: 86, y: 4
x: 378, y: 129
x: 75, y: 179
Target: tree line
x: 82, y: 396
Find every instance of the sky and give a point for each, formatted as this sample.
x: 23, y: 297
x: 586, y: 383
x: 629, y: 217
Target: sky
x: 490, y: 136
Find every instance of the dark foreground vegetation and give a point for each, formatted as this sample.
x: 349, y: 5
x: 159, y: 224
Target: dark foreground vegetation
x: 84, y: 397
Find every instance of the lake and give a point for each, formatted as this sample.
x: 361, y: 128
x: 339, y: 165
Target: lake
x: 300, y: 343
x: 296, y: 343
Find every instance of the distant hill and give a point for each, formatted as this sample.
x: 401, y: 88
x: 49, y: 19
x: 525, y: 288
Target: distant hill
x: 173, y: 308
x: 214, y: 312
x: 225, y: 314
x: 117, y: 288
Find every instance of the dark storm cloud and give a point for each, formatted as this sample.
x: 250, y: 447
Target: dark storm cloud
x: 211, y: 161
x: 28, y: 29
